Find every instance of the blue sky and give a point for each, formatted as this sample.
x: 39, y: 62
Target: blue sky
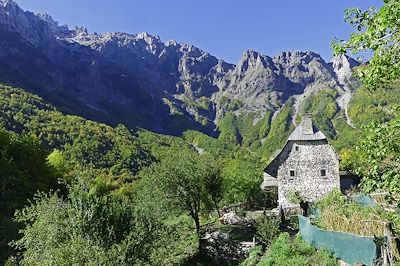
x: 224, y: 28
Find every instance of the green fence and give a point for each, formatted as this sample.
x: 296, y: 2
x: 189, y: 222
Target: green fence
x: 347, y: 247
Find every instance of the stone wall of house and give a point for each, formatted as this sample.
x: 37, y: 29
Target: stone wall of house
x: 307, y: 161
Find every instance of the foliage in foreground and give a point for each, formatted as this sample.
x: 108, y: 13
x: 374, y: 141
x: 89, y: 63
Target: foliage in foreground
x: 377, y: 31
x: 267, y: 230
x: 339, y: 214
x: 23, y: 170
x: 254, y: 257
x: 377, y: 156
x: 91, y: 228
x: 286, y: 251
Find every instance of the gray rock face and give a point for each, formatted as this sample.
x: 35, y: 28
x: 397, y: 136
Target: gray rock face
x: 140, y: 80
x: 265, y: 83
x: 342, y: 66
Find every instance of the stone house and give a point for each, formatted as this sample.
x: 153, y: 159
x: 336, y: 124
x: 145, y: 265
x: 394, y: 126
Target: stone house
x: 307, y: 168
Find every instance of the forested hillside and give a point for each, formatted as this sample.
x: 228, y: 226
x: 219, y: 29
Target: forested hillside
x: 114, y: 164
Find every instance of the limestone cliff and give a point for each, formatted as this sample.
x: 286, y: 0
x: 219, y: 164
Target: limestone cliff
x: 140, y: 80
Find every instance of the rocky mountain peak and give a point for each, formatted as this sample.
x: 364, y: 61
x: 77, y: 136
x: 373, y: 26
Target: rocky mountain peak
x: 9, y: 4
x: 13, y: 18
x: 137, y: 72
x: 250, y: 54
x: 343, y: 60
x: 47, y: 18
x: 80, y: 30
x: 171, y: 43
x: 10, y: 7
x: 297, y: 57
x: 59, y: 31
x: 252, y: 60
x: 148, y: 38
x: 342, y: 65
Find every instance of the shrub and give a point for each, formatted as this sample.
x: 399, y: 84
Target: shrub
x: 339, y: 214
x: 267, y: 230
x: 285, y: 251
x: 254, y: 257
x: 295, y: 197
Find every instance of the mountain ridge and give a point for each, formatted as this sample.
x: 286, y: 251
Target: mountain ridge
x: 139, y: 80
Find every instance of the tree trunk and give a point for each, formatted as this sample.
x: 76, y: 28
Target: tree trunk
x: 197, y: 223
x: 216, y: 207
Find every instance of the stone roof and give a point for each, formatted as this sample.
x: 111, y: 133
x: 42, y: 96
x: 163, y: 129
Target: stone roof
x: 306, y: 131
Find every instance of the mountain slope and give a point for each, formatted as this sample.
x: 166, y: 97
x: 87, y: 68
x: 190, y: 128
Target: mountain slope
x: 141, y: 81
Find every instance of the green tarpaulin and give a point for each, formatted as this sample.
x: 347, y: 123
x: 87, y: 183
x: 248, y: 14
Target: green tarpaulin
x: 364, y: 200
x: 347, y: 247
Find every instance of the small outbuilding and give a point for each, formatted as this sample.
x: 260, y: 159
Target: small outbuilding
x: 307, y: 168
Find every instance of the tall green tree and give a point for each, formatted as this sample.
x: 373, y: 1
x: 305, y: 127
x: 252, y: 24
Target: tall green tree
x: 377, y: 31
x: 241, y: 179
x: 189, y: 181
x: 378, y: 159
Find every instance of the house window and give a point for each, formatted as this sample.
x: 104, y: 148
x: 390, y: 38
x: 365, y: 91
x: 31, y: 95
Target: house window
x: 291, y: 173
x: 296, y: 148
x: 323, y: 172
